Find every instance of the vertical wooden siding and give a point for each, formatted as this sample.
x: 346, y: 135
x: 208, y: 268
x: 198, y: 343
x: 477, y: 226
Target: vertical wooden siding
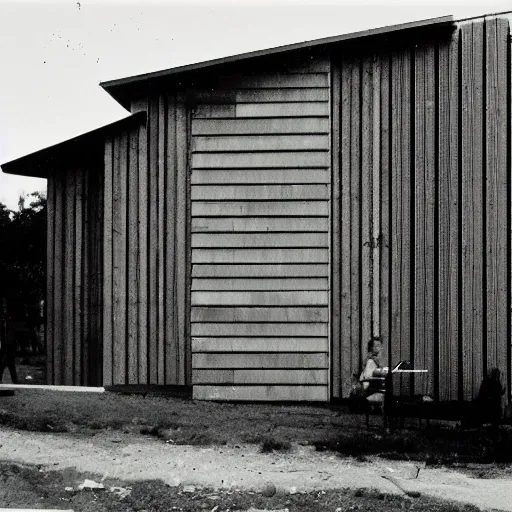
x: 146, y: 249
x: 422, y: 180
x: 74, y: 276
x: 260, y: 236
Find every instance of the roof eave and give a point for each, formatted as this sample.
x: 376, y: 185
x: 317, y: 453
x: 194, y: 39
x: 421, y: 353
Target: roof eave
x: 39, y: 163
x: 113, y: 87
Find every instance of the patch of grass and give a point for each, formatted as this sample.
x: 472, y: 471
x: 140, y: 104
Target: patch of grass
x: 43, y: 423
x: 34, y: 487
x: 434, y: 446
x: 270, y: 445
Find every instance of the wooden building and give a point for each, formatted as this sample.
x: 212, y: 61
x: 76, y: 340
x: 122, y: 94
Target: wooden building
x: 257, y: 219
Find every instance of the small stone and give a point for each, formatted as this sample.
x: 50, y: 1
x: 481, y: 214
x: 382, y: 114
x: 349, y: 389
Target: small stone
x: 269, y: 489
x: 189, y: 488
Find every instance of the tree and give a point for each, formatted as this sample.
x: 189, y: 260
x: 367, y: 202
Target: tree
x: 23, y: 258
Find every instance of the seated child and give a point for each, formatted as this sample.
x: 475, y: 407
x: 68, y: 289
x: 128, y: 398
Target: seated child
x: 373, y: 369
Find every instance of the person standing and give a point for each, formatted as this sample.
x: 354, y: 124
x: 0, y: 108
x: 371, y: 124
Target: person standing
x: 8, y: 352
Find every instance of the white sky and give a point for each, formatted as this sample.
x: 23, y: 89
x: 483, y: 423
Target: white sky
x: 53, y: 55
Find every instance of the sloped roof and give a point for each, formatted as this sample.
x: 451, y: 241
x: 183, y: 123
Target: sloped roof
x: 38, y: 164
x: 118, y: 88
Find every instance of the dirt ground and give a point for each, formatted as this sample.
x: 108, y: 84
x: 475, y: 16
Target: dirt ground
x: 158, y: 445
x: 114, y: 459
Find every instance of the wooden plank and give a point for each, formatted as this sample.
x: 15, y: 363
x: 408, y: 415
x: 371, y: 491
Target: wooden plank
x: 304, y: 330
x: 261, y: 361
x: 260, y: 143
x: 345, y: 231
x: 240, y: 314
x: 300, y: 377
x: 354, y: 171
x: 448, y: 303
x: 133, y: 274
x: 108, y: 264
x: 376, y: 194
x: 264, y: 393
x: 336, y: 386
x: 142, y: 290
x: 78, y: 267
x: 259, y: 176
x: 497, y: 34
x: 472, y: 208
x: 161, y: 214
x: 58, y: 278
x: 218, y: 240
x: 171, y: 306
x: 424, y: 248
x: 313, y: 65
x: 260, y: 224
x: 260, y: 209
x: 317, y: 377
x: 279, y: 159
x: 260, y: 255
x: 255, y: 110
x: 259, y: 192
x: 261, y: 284
x: 213, y: 377
x: 401, y: 208
x: 279, y: 270
x: 119, y: 258
x: 366, y: 198
x: 281, y: 95
x: 310, y: 125
x: 153, y: 241
x: 91, y: 236
x: 182, y: 248
x: 385, y: 198
x: 69, y: 279
x: 213, y: 111
x: 50, y: 276
x: 255, y: 344
x: 296, y: 298
x: 274, y: 81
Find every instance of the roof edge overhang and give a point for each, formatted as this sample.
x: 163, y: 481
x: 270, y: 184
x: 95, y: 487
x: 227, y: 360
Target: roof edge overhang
x: 117, y: 87
x: 88, y: 145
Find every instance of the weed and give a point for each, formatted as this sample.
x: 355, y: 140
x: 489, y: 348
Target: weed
x: 270, y: 445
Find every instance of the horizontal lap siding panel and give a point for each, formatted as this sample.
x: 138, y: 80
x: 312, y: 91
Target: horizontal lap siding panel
x: 223, y: 255
x: 277, y: 360
x: 278, y: 270
x: 282, y: 110
x: 255, y: 344
x: 257, y: 298
x: 260, y: 224
x: 260, y: 246
x: 260, y: 143
x: 282, y: 95
x: 278, y: 159
x: 259, y: 209
x: 260, y: 192
x: 240, y: 314
x: 261, y: 284
x: 259, y: 329
x: 259, y: 176
x: 259, y: 240
x: 310, y: 125
x: 263, y: 393
x: 275, y: 81
x: 318, y: 377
